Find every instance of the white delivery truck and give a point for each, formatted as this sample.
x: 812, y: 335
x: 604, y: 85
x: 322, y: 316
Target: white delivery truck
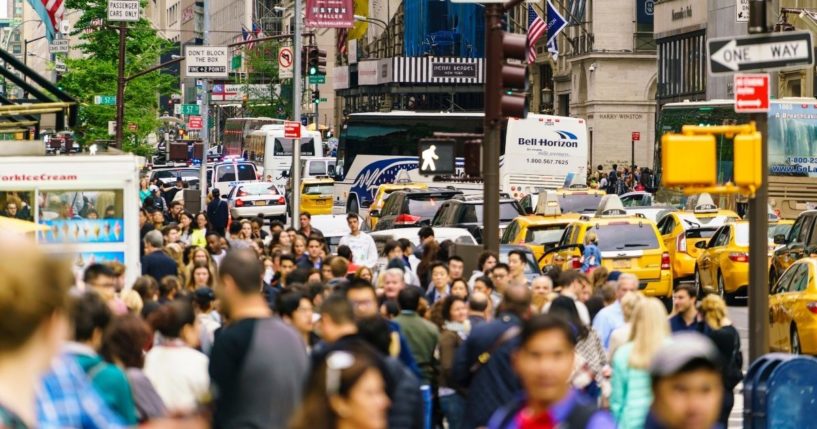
x: 90, y: 204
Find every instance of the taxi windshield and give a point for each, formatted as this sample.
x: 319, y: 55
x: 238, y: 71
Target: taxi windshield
x: 317, y: 188
x: 626, y: 237
x: 545, y: 234
x: 579, y: 203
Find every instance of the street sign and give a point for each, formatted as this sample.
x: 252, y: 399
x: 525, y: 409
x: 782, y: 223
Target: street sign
x: 105, y: 100
x: 111, y: 128
x: 436, y: 157
x: 60, y: 67
x: 194, y: 123
x: 123, y: 10
x: 322, y: 100
x: 751, y: 93
x: 186, y: 109
x: 756, y: 53
x: 292, y: 130
x: 58, y: 46
x: 207, y: 61
x: 285, y: 59
x: 317, y: 79
x: 636, y: 136
x: 741, y: 10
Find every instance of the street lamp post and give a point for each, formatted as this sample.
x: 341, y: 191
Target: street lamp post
x: 380, y: 23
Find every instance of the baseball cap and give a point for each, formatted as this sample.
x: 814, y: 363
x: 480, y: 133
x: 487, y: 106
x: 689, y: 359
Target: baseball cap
x: 613, y: 276
x: 681, y: 350
x: 204, y: 294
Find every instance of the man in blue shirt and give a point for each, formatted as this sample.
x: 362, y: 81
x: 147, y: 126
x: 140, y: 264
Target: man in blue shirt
x: 611, y: 318
x: 684, y: 303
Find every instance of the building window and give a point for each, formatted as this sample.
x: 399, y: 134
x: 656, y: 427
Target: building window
x: 682, y: 65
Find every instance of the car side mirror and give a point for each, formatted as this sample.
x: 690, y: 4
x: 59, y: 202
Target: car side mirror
x: 701, y: 245
x: 779, y: 239
x: 374, y: 213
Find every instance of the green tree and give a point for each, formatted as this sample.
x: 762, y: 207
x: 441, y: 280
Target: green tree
x: 274, y: 98
x: 95, y: 74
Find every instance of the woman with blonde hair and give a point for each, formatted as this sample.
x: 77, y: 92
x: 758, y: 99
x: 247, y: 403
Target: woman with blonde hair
x: 175, y: 251
x: 364, y: 273
x: 726, y: 338
x: 622, y: 334
x: 631, y: 395
x: 199, y: 275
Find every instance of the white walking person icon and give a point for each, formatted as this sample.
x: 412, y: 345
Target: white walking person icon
x: 429, y: 156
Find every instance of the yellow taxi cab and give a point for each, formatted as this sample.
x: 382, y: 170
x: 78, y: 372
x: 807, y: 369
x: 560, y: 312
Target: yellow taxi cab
x: 579, y: 199
x: 316, y: 195
x: 793, y: 309
x: 383, y: 191
x: 723, y: 266
x: 542, y: 230
x: 681, y: 231
x: 630, y: 244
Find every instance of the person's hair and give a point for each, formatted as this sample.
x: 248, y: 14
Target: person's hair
x: 389, y: 246
x: 345, y: 252
x: 448, y: 302
x: 438, y: 265
x: 166, y: 230
x: 286, y: 257
x: 455, y: 258
x: 169, y: 319
x: 276, y: 223
x: 516, y: 300
x: 591, y: 238
x: 445, y: 250
x: 650, y: 330
x: 125, y: 341
x: 479, y: 304
x: 566, y: 308
x: 338, y: 309
x: 288, y: 303
x: 33, y: 287
x: 425, y: 232
x: 608, y: 294
x: 298, y: 275
x: 566, y: 278
x: 307, y: 214
x: 350, y: 216
x: 95, y: 271
x: 117, y: 267
x: 546, y: 323
x: 243, y: 266
x: 316, y: 411
x: 315, y: 289
x: 89, y: 313
x: 409, y: 298
x: 133, y: 301
x: 146, y: 287
x: 359, y: 284
x: 429, y: 256
x: 519, y: 253
x: 168, y: 285
x: 405, y: 244
x: 155, y: 239
x: 191, y: 281
x: 628, y: 304
x: 339, y: 267
x: 391, y: 307
x: 483, y: 258
x: 599, y: 277
x: 487, y: 280
x: 688, y: 288
x: 316, y: 238
x: 713, y: 308
x: 175, y: 203
x: 375, y: 331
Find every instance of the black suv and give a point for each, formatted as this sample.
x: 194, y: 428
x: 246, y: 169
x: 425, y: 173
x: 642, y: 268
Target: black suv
x: 466, y: 212
x: 412, y: 207
x: 801, y: 235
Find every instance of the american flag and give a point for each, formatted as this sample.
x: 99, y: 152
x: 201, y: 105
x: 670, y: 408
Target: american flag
x: 536, y: 28
x: 343, y: 36
x: 256, y: 29
x: 50, y: 12
x: 247, y: 36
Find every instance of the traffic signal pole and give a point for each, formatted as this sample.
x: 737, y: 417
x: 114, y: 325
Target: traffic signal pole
x: 297, y: 44
x: 758, y: 293
x: 491, y: 127
x: 120, y: 85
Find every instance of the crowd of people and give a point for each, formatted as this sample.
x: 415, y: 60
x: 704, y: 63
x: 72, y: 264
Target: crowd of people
x: 622, y: 180
x: 242, y: 326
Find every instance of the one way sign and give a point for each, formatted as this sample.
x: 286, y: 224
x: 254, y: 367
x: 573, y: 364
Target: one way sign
x: 755, y: 53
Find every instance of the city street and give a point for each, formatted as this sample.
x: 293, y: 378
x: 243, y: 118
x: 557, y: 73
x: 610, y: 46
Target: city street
x: 740, y: 318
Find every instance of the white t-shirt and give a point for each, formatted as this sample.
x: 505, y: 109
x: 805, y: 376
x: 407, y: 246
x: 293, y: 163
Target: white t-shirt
x: 364, y: 251
x: 180, y: 376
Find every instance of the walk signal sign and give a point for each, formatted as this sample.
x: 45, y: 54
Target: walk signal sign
x: 436, y: 157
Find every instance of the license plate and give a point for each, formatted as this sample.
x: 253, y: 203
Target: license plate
x: 622, y: 263
x: 260, y: 203
x: 320, y: 202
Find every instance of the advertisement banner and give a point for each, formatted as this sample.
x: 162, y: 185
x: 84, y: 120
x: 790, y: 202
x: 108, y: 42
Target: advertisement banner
x: 374, y: 72
x: 329, y: 14
x: 792, y: 139
x: 340, y: 77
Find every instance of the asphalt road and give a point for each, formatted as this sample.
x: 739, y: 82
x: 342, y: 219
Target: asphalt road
x: 740, y: 319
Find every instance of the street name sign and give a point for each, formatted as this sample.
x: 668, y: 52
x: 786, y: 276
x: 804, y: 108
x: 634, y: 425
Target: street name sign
x: 292, y: 130
x: 317, y: 79
x: 105, y: 100
x: 207, y: 61
x: 756, y: 53
x: 751, y: 93
x: 123, y: 10
x: 58, y: 46
x: 285, y: 59
x: 186, y: 109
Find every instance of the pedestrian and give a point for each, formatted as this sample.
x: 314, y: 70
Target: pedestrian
x: 632, y: 392
x: 478, y: 305
x: 621, y: 335
x: 198, y: 233
x: 313, y: 258
x: 208, y: 318
x: 454, y: 331
x: 686, y: 384
x: 218, y: 213
x: 719, y: 329
x: 571, y: 283
x: 517, y: 261
x: 348, y: 392
x: 485, y: 286
x: 500, y: 277
x: 295, y: 309
x: 33, y: 307
x: 591, y: 256
x: 440, y: 287
x: 199, y: 275
x: 483, y: 362
x: 426, y: 236
x: 612, y: 180
x: 685, y: 309
x: 299, y: 247
x: 185, y: 227
x: 544, y: 361
x: 364, y: 273
x: 592, y: 369
x: 145, y: 226
x: 144, y: 191
x: 148, y: 289
x: 307, y: 230
x: 281, y: 242
x: 611, y: 317
x: 102, y: 279
x: 598, y: 281
x: 428, y: 258
x: 124, y: 344
x: 362, y: 245
x: 156, y: 262
x: 541, y: 294
x: 215, y: 248
x: 459, y: 288
x: 422, y: 336
x: 253, y: 391
x: 257, y: 224
x: 171, y: 233
x: 456, y: 267
x: 175, y: 210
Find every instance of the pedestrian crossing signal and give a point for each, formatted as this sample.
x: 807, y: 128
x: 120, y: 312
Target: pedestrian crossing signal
x: 436, y: 157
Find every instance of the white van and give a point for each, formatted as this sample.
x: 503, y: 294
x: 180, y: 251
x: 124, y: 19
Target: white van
x: 269, y: 148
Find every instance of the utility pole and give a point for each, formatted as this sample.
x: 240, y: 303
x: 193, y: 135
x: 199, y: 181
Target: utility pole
x: 493, y: 122
x: 297, y: 45
x: 120, y: 85
x: 758, y: 219
x: 205, y: 124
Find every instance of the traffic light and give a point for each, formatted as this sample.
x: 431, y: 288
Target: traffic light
x: 748, y: 170
x: 316, y: 97
x: 688, y: 160
x: 514, y: 77
x: 321, y: 61
x: 312, y: 60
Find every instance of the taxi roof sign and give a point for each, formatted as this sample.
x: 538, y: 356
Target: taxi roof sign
x: 548, y: 204
x: 610, y: 205
x: 705, y: 204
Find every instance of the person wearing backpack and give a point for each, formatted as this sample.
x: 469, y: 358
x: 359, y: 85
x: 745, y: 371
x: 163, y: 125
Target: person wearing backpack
x: 612, y: 180
x: 719, y: 329
x: 544, y: 361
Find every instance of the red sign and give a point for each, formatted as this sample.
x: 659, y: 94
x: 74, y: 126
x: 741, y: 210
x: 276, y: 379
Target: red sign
x: 636, y: 136
x: 329, y: 14
x: 292, y: 130
x: 752, y: 93
x: 194, y: 122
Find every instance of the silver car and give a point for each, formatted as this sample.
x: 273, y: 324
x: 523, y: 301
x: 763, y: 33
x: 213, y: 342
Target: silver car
x: 250, y: 199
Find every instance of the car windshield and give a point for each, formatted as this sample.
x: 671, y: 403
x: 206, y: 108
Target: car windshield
x: 473, y: 212
x: 742, y: 234
x: 546, y: 234
x: 259, y: 189
x: 317, y: 188
x: 700, y: 232
x: 640, y: 200
x: 626, y: 237
x: 579, y: 203
x: 226, y: 173
x: 424, y: 206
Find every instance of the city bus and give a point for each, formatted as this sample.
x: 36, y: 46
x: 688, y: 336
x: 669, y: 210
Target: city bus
x: 792, y: 143
x: 536, y: 153
x: 268, y: 148
x: 236, y: 131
